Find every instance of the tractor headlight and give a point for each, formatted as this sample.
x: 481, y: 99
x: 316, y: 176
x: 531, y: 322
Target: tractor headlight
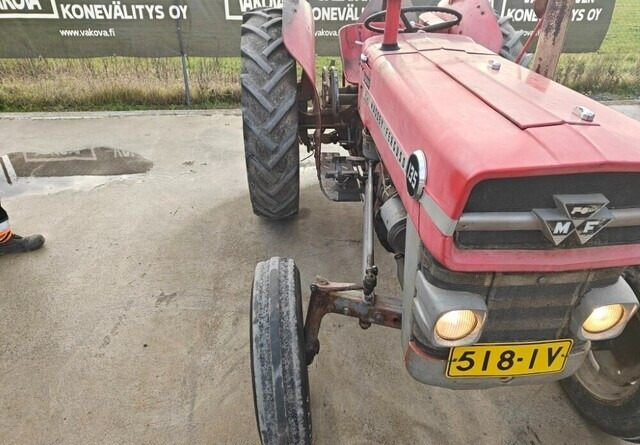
x: 604, y: 312
x: 603, y: 318
x: 455, y: 325
x: 448, y: 318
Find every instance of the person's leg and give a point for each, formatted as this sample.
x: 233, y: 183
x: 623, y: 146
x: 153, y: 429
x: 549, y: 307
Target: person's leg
x: 5, y: 231
x: 12, y: 243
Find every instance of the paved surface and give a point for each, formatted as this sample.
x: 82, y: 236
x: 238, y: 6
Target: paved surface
x: 131, y: 325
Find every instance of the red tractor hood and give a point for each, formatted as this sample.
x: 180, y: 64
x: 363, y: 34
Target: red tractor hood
x: 440, y: 94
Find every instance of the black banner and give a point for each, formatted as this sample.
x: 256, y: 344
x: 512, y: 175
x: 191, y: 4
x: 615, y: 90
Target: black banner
x: 211, y: 28
x: 590, y: 21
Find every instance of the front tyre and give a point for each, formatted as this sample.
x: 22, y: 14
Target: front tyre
x: 606, y: 389
x: 269, y: 115
x: 278, y: 364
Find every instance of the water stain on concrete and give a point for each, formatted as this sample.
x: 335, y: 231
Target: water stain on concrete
x: 29, y: 172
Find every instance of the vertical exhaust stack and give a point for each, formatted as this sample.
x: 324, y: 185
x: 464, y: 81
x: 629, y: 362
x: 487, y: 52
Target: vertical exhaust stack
x: 390, y: 41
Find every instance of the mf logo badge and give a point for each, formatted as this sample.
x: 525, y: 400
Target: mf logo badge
x: 580, y: 215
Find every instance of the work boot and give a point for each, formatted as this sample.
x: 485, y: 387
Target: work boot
x: 18, y: 244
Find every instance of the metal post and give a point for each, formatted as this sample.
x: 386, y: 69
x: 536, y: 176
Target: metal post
x: 552, y: 37
x: 390, y: 39
x: 185, y: 74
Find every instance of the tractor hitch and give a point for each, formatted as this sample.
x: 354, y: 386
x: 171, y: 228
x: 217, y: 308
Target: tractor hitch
x: 345, y: 299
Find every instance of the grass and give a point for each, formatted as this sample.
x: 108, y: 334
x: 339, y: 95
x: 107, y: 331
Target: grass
x: 604, y: 76
x: 624, y: 34
x: 118, y: 83
x: 115, y: 83
x: 614, y: 71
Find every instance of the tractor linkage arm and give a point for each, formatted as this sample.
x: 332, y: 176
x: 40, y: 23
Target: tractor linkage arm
x: 345, y: 299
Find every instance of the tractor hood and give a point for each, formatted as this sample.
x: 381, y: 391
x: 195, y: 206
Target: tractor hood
x: 443, y: 94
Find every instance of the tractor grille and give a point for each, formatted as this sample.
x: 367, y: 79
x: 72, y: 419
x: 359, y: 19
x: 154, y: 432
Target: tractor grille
x: 522, y: 306
x: 526, y: 194
x: 535, y: 240
x: 526, y: 307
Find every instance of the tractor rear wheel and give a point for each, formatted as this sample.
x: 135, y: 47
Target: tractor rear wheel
x: 606, y: 389
x: 278, y: 365
x: 512, y: 44
x: 270, y: 115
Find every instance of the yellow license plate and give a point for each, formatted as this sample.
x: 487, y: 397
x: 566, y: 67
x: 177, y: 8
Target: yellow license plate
x: 508, y: 359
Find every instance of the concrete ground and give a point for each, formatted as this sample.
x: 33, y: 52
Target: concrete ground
x: 131, y: 325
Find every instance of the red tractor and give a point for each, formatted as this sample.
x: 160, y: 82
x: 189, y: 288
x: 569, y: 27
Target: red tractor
x: 510, y: 202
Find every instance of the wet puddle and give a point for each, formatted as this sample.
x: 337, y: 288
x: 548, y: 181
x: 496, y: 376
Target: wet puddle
x: 37, y: 173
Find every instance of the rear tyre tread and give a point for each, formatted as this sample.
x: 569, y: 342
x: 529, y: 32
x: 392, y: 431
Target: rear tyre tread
x: 270, y: 115
x: 512, y: 42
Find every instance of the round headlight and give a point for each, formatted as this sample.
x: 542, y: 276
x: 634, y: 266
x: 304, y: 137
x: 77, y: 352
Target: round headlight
x: 603, y: 318
x: 456, y: 325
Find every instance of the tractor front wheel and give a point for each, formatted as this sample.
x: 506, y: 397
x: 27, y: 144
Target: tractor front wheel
x: 270, y: 115
x: 278, y: 364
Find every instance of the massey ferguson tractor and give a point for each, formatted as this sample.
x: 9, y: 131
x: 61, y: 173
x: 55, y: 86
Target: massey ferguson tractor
x: 511, y: 205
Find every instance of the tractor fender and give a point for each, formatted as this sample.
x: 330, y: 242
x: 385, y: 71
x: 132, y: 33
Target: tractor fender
x: 298, y: 32
x: 478, y: 22
x: 299, y: 35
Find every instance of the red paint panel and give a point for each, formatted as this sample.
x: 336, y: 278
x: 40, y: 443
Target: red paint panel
x: 390, y: 163
x: 478, y: 22
x: 300, y: 36
x: 351, y: 43
x: 522, y: 96
x: 486, y: 83
x: 430, y: 42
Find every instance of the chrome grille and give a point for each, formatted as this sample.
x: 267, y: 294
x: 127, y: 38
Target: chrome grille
x: 510, y: 201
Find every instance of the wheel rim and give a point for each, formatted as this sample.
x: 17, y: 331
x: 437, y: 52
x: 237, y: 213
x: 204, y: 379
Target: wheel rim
x: 613, y: 376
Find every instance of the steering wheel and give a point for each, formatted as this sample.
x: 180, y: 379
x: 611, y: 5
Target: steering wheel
x: 412, y: 27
